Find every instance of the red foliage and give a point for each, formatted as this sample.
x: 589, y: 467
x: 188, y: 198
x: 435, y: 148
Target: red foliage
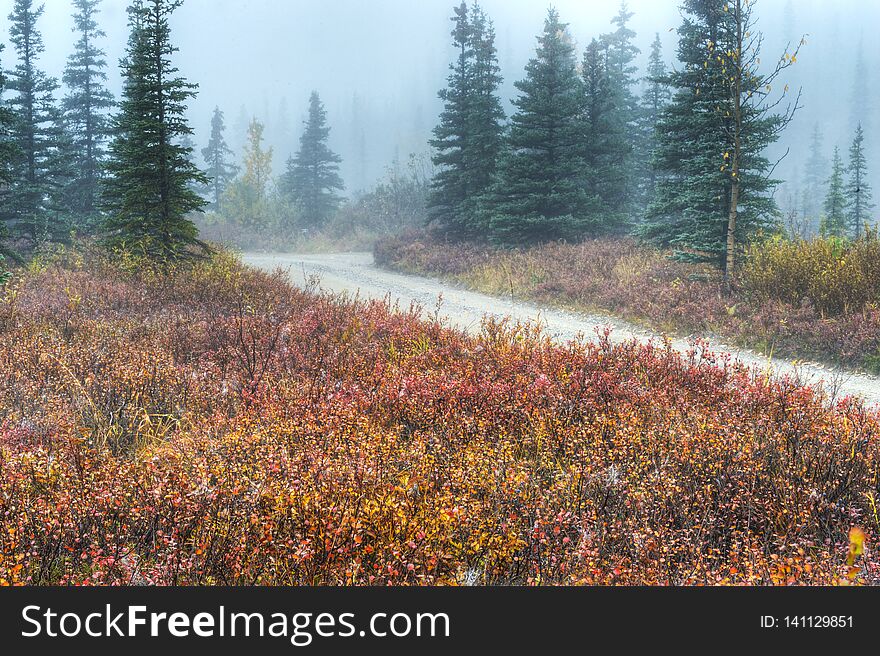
x: 222, y: 427
x: 642, y: 285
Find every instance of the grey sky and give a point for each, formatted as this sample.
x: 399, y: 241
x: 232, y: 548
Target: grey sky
x: 378, y: 64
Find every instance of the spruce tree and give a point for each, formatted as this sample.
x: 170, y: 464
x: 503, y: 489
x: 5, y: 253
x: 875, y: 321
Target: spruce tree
x: 148, y: 195
x: 834, y: 218
x: 450, y: 186
x: 8, y: 156
x: 622, y: 73
x: 221, y: 170
x: 711, y: 141
x: 86, y: 115
x: 539, y: 194
x: 815, y: 174
x: 469, y: 137
x: 654, y: 101
x: 312, y: 177
x: 858, y: 192
x: 485, y: 117
x: 36, y: 133
x: 606, y: 147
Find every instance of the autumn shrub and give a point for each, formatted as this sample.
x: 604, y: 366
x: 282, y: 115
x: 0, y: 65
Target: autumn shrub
x: 835, y: 276
x: 220, y: 426
x: 817, y: 304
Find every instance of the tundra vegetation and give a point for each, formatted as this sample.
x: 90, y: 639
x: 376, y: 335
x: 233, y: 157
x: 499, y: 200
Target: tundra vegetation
x: 170, y: 416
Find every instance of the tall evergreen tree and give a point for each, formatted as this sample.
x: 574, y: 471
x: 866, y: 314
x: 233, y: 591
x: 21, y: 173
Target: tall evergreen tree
x: 312, y: 178
x: 221, y: 169
x: 715, y: 189
x: 834, y: 218
x: 8, y: 152
x: 450, y: 186
x: 654, y: 101
x: 606, y: 147
x: 815, y: 175
x: 485, y: 116
x: 148, y: 195
x: 622, y: 73
x: 86, y: 116
x: 540, y: 195
x: 468, y: 139
x: 36, y: 171
x: 858, y: 192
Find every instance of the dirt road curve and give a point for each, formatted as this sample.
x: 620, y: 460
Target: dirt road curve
x: 355, y: 273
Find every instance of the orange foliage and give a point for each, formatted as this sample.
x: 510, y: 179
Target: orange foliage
x: 222, y: 427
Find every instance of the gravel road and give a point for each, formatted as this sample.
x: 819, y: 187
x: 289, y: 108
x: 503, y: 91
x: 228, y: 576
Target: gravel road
x: 355, y: 273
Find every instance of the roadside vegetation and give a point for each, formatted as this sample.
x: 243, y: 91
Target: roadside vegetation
x: 171, y: 417
x: 815, y: 299
x: 215, y: 425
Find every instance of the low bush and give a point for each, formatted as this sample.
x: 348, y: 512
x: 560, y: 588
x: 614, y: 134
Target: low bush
x: 834, y: 276
x: 218, y: 426
x: 792, y: 299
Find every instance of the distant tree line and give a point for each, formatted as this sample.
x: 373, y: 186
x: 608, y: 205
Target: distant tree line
x: 838, y: 200
x: 677, y: 157
x: 123, y: 172
x: 85, y: 164
x: 302, y: 199
x: 682, y: 165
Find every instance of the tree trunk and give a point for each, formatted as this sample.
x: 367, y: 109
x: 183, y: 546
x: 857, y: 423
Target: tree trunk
x: 730, y: 260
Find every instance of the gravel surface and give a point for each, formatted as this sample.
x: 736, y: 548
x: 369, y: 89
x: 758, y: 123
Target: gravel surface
x: 356, y: 273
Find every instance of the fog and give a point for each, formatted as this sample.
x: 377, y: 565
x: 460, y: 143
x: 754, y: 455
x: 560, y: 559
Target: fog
x: 378, y: 65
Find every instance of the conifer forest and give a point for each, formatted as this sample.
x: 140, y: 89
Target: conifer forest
x: 439, y: 293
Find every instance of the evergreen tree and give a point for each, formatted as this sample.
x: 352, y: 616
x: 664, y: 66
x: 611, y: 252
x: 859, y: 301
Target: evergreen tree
x: 312, y: 177
x: 221, y: 170
x: 485, y: 116
x: 815, y: 172
x: 86, y: 108
x: 36, y: 170
x: 621, y: 54
x: 8, y: 151
x: 8, y: 157
x: 540, y: 195
x: 606, y: 149
x: 148, y: 194
x: 858, y: 192
x: 450, y: 186
x: 654, y: 101
x: 834, y: 218
x: 469, y: 137
x: 714, y: 191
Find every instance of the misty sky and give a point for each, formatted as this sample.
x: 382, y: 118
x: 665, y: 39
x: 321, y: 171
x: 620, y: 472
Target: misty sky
x: 378, y: 64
